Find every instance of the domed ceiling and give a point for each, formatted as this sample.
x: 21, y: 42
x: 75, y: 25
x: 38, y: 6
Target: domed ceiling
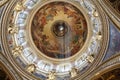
x: 58, y: 38
x: 59, y: 29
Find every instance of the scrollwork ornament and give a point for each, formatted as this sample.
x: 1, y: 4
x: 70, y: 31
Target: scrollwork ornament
x: 51, y: 76
x: 17, y: 50
x: 19, y: 7
x: 12, y: 29
x: 73, y: 72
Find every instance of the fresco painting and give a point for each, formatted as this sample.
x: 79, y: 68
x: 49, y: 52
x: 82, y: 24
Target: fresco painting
x: 58, y: 42
x: 114, y: 42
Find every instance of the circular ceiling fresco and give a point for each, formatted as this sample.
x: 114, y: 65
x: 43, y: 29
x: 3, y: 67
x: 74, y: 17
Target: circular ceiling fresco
x: 59, y: 30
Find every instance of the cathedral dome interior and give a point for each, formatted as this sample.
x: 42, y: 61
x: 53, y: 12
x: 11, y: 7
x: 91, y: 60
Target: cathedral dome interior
x: 59, y: 39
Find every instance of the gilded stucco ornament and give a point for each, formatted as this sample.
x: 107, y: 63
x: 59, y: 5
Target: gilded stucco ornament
x: 31, y: 68
x: 99, y: 36
x: 51, y: 75
x: 90, y: 58
x: 19, y: 7
x: 95, y: 13
x: 12, y: 29
x: 17, y: 50
x: 73, y: 72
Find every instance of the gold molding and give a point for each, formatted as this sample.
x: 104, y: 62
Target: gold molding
x: 110, y: 11
x: 110, y: 64
x: 3, y: 2
x: 99, y: 74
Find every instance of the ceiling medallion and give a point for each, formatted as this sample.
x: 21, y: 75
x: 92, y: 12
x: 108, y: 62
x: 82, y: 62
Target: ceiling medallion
x: 59, y: 30
x: 55, y: 35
